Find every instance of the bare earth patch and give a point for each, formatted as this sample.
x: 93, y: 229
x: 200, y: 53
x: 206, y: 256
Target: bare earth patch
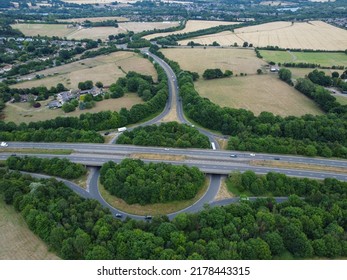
x: 257, y: 93
x: 17, y: 242
x: 316, y: 35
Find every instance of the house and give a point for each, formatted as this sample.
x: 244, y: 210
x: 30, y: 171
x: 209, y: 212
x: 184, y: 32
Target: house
x: 6, y: 68
x: 27, y: 97
x: 65, y: 96
x: 95, y: 91
x: 54, y: 104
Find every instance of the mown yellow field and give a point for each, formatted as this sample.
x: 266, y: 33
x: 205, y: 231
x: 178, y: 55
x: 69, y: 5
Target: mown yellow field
x: 141, y: 26
x: 257, y: 93
x: 62, y: 30
x: 199, y: 59
x: 192, y: 25
x: 17, y: 242
x: 299, y: 35
x: 93, y: 19
x: 106, y: 69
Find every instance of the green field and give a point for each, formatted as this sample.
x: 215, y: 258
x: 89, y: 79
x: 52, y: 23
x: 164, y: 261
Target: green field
x: 322, y: 58
x: 341, y: 99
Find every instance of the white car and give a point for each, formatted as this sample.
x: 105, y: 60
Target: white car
x: 252, y: 155
x: 3, y: 144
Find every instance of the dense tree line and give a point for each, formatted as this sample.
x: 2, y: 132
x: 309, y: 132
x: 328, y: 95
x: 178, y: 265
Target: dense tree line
x: 60, y: 167
x: 216, y: 73
x: 171, y: 134
x: 137, y: 182
x: 100, y: 51
x: 61, y: 134
x: 322, y: 135
x: 318, y: 94
x: 207, y: 31
x: 112, y: 23
x: 320, y: 78
x: 276, y: 184
x: 76, y: 228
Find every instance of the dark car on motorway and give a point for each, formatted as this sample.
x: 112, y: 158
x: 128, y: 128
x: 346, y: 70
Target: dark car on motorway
x: 118, y: 215
x: 276, y: 158
x: 233, y: 156
x: 148, y: 217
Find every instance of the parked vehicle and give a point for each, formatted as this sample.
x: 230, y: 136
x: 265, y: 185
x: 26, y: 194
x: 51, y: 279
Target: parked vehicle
x: 122, y: 129
x: 3, y: 144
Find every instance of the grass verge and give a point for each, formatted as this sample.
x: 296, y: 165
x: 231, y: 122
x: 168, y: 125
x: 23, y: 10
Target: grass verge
x: 304, y: 166
x: 37, y: 151
x: 152, y: 209
x: 82, y: 181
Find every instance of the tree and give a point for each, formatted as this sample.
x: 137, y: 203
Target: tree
x: 245, y: 44
x: 259, y: 71
x: 335, y: 74
x: 228, y: 73
x: 99, y: 84
x: 60, y: 87
x: 68, y: 107
x: 212, y: 74
x: 285, y: 75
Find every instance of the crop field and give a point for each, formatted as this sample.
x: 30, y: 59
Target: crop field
x: 93, y: 19
x: 17, y: 242
x: 257, y: 93
x: 199, y: 59
x: 315, y: 35
x: 62, y: 30
x: 192, y: 25
x: 22, y: 112
x: 322, y: 58
x: 94, y: 69
x: 50, y: 30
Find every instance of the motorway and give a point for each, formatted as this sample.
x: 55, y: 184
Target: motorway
x: 212, y: 162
